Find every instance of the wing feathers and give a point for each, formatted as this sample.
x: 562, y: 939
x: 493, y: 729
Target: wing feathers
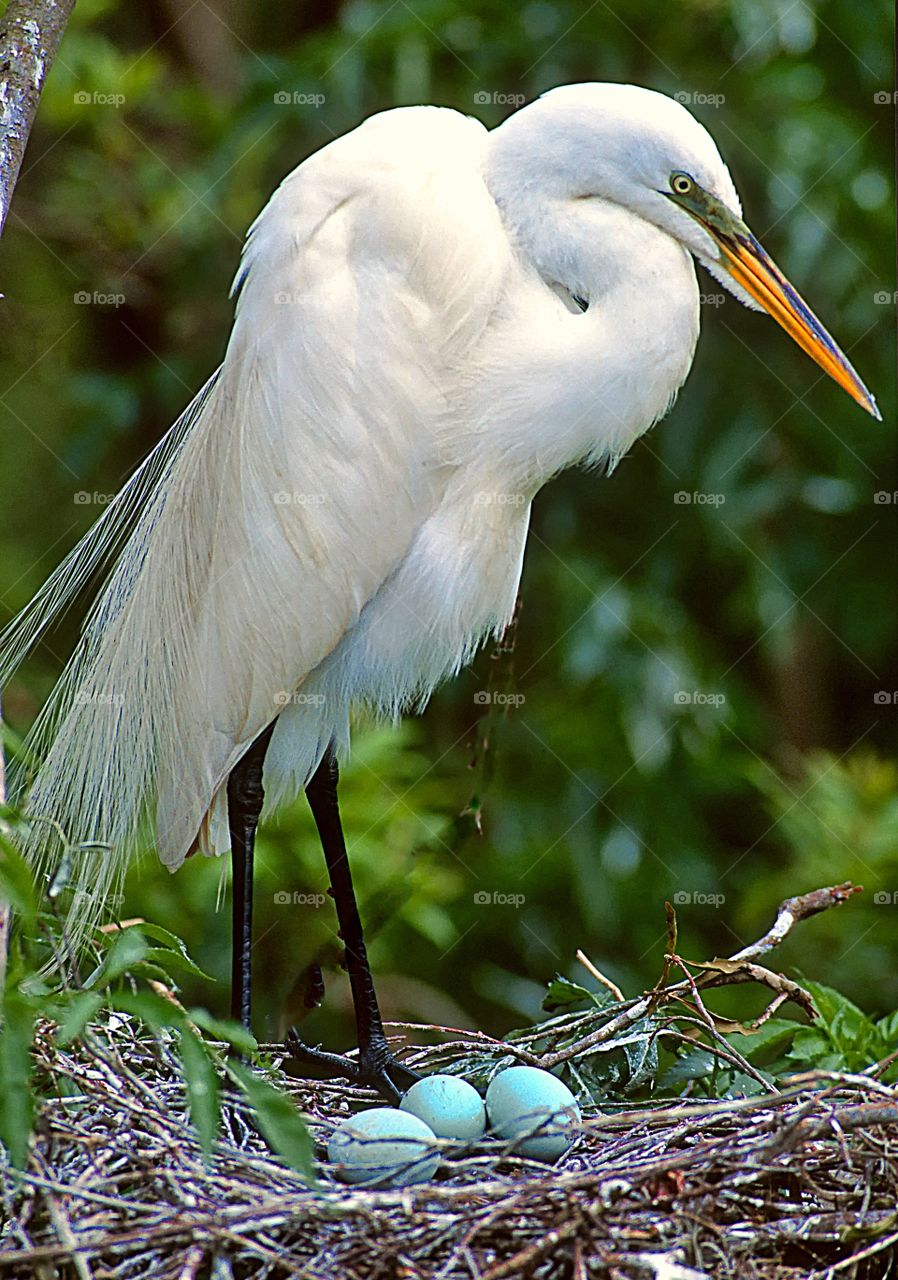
x: 282, y: 500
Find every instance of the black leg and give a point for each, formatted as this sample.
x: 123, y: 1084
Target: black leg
x: 376, y: 1064
x: 245, y: 797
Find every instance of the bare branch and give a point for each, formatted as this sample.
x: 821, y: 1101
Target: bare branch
x: 29, y: 40
x: 795, y: 909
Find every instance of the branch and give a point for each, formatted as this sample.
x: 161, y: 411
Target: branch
x: 718, y: 972
x: 29, y: 40
x: 795, y: 909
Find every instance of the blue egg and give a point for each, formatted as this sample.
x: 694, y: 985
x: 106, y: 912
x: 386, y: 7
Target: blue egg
x: 379, y: 1143
x: 527, y: 1100
x: 452, y: 1107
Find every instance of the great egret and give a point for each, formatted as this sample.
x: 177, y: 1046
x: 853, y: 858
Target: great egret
x: 432, y: 321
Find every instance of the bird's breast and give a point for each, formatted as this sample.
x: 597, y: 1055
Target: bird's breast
x: 457, y: 584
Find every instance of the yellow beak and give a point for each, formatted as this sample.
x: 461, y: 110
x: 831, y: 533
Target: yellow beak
x: 757, y: 273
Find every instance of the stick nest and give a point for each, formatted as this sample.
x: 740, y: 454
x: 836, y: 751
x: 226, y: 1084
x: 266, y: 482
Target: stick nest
x: 796, y: 1180
x: 799, y: 1183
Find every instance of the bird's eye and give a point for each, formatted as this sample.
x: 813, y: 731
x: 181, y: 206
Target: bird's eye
x: 681, y: 184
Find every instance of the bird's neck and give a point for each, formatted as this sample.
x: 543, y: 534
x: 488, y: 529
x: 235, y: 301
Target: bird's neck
x: 575, y: 387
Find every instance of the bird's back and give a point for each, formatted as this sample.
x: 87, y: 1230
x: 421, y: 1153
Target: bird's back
x: 287, y: 496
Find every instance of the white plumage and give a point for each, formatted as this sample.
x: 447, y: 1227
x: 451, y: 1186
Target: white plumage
x: 341, y: 514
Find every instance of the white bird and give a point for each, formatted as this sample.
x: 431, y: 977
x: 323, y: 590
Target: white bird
x: 433, y: 320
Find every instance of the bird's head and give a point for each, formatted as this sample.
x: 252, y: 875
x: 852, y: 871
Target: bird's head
x: 645, y: 152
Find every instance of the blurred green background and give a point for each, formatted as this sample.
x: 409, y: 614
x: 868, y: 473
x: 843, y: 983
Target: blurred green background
x: 704, y: 694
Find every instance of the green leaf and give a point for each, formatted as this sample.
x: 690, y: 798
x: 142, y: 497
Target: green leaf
x: 202, y: 1087
x: 887, y: 1030
x: 774, y: 1034
x: 14, y: 748
x: 174, y: 951
x: 744, y: 1086
x: 17, y: 885
x: 813, y: 1049
x: 128, y: 947
x: 281, y: 1124
x: 561, y: 993
x: 152, y: 972
x: 151, y: 1008
x: 16, y: 1106
x: 830, y: 1002
x: 167, y: 959
x: 694, y: 1065
x: 225, y: 1029
x: 642, y: 1054
x: 75, y: 1013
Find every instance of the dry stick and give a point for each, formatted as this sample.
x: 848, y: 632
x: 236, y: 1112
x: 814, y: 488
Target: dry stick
x: 795, y: 909
x: 67, y: 1238
x: 192, y: 1263
x: 861, y: 1081
x: 516, y: 1265
x: 855, y: 1258
x: 707, y: 1019
x: 29, y: 39
x: 599, y: 976
x: 728, y: 1054
x: 788, y: 915
x: 806, y: 1130
x: 726, y: 973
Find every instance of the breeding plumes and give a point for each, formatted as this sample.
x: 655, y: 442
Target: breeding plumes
x: 432, y: 321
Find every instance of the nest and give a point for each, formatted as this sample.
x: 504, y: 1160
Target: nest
x: 800, y: 1180
x: 803, y: 1183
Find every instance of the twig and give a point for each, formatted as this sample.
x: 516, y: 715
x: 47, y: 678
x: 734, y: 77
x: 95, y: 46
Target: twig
x: 795, y: 909
x: 599, y: 976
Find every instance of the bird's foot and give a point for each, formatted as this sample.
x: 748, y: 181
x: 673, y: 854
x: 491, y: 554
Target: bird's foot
x: 376, y: 1065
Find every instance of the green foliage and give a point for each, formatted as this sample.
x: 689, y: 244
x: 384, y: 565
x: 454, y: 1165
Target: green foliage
x: 652, y: 1058
x: 603, y: 792
x: 837, y: 820
x: 649, y: 1058
x: 16, y: 1099
x: 845, y: 1039
x: 279, y: 1121
x: 129, y: 978
x: 842, y: 1039
x: 202, y: 1087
